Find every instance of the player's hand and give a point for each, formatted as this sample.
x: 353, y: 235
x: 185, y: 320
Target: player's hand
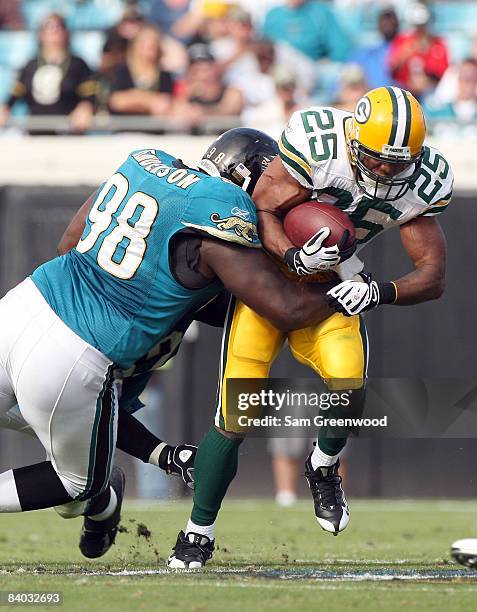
x: 180, y: 462
x: 351, y: 297
x: 314, y: 257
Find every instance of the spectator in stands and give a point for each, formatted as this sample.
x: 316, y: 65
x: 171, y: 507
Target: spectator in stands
x: 205, y: 21
x: 55, y: 82
x: 374, y: 58
x: 352, y: 87
x: 112, y: 57
x: 309, y: 26
x: 257, y: 84
x: 417, y: 58
x: 463, y: 107
x: 273, y: 112
x: 235, y: 52
x: 10, y: 15
x: 446, y: 90
x: 140, y: 86
x: 128, y: 26
x: 174, y: 56
x: 203, y: 93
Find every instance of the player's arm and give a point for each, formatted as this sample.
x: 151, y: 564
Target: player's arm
x: 136, y: 440
x: 424, y: 242
x: 274, y: 195
x: 73, y: 232
x: 252, y: 277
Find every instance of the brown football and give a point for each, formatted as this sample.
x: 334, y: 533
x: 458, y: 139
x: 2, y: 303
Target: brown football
x: 305, y: 220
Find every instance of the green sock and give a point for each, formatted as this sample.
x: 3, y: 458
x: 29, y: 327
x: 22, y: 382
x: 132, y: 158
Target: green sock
x: 331, y: 446
x: 332, y: 440
x: 215, y: 467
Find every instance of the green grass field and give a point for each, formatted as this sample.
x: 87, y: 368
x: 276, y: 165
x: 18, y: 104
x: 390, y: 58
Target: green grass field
x: 393, y: 556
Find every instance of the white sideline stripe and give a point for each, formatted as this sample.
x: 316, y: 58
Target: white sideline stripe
x: 391, y: 505
x: 286, y: 580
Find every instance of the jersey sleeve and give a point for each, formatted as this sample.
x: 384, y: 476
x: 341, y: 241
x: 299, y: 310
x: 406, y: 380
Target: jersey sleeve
x: 441, y: 178
x: 294, y: 151
x: 226, y: 213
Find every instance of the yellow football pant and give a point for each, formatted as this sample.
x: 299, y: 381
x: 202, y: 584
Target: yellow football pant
x: 336, y: 350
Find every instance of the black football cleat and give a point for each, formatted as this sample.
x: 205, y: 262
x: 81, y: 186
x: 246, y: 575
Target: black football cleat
x: 192, y: 551
x: 97, y: 537
x: 331, y: 508
x: 465, y: 552
x: 180, y: 462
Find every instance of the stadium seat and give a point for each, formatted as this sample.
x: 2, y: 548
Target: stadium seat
x: 16, y: 48
x: 34, y: 11
x: 455, y: 17
x: 88, y: 45
x: 94, y: 14
x: 7, y: 77
x: 458, y: 45
x: 87, y: 15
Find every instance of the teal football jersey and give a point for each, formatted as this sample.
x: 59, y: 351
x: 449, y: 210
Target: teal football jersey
x: 116, y: 289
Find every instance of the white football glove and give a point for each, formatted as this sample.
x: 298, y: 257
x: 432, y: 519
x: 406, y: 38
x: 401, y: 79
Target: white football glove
x: 352, y: 297
x: 314, y: 257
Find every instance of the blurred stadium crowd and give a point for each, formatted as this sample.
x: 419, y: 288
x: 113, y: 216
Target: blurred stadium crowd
x: 182, y: 62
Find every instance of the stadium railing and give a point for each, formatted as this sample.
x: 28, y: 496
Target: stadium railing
x: 110, y: 124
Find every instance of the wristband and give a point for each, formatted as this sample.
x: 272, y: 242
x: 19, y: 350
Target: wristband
x: 387, y: 293
x: 289, y: 258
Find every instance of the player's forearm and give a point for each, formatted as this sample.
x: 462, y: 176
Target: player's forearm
x: 421, y: 285
x: 256, y: 280
x: 274, y: 195
x: 424, y: 242
x: 306, y: 306
x: 272, y: 234
x: 288, y: 305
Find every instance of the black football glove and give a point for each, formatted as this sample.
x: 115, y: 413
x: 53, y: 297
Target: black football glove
x: 180, y: 462
x: 352, y: 297
x: 314, y: 257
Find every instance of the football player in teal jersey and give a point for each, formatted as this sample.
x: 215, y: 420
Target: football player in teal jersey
x: 160, y: 241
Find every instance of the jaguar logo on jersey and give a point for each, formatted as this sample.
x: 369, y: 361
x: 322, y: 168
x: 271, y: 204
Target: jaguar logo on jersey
x: 243, y: 229
x: 363, y: 110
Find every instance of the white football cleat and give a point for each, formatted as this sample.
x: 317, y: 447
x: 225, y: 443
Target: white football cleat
x: 191, y: 551
x: 331, y: 507
x: 465, y: 552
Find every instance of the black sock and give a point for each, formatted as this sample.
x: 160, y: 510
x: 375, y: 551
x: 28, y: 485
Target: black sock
x: 135, y: 439
x: 38, y: 486
x: 98, y: 503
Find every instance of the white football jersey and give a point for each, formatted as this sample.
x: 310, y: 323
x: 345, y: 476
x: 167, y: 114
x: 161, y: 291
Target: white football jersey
x: 314, y: 151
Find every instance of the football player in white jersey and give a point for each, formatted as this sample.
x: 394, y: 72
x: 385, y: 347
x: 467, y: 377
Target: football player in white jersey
x: 374, y: 165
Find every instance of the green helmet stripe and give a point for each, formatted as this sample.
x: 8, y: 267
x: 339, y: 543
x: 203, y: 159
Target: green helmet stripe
x: 407, y: 131
x: 394, y: 127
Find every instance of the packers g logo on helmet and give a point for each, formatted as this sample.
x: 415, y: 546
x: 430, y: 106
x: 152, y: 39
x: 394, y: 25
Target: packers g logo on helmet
x: 363, y: 110
x: 387, y: 125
